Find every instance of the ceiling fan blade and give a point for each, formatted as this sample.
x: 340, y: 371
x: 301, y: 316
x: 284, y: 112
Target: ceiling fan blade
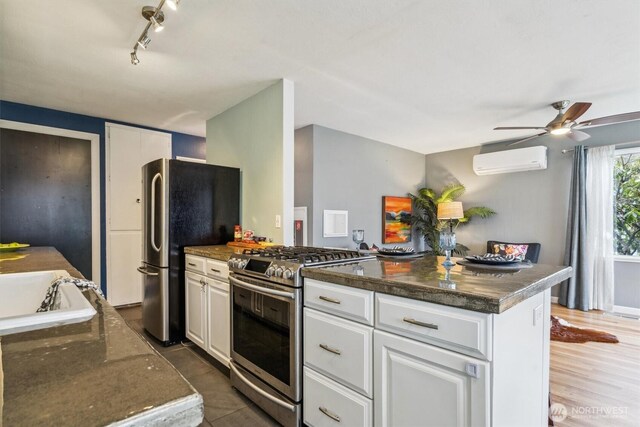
x: 575, y: 111
x: 517, y: 127
x: 609, y: 120
x: 527, y: 139
x: 578, y: 136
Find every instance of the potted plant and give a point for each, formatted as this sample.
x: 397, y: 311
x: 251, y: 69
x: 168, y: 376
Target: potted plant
x: 426, y: 221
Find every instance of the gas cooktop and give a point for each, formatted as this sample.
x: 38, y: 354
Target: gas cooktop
x: 283, y: 263
x: 305, y: 255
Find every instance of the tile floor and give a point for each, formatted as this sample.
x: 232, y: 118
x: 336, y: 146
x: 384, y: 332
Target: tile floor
x: 223, y: 405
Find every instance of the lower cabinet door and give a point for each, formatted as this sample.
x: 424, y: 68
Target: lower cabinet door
x: 195, y: 310
x: 327, y: 403
x: 416, y: 384
x: 218, y: 320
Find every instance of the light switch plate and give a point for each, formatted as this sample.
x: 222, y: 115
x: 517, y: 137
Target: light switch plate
x: 278, y: 221
x: 537, y: 315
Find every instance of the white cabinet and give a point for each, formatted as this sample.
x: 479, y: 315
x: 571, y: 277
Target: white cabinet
x: 339, y: 349
x: 327, y: 403
x: 431, y: 365
x: 419, y: 384
x: 218, y: 320
x: 127, y: 150
x: 207, y: 310
x: 196, y: 309
x: 338, y: 355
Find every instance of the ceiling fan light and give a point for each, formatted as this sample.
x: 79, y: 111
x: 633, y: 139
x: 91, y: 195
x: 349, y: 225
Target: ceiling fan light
x: 157, y: 27
x: 134, y: 58
x: 560, y: 131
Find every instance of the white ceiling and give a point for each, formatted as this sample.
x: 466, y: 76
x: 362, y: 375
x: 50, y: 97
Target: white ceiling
x: 425, y: 75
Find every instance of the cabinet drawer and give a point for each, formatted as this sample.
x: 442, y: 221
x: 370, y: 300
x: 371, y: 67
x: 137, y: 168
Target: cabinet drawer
x: 343, y: 301
x: 195, y: 264
x: 217, y: 269
x: 464, y: 331
x: 340, y: 349
x: 327, y: 403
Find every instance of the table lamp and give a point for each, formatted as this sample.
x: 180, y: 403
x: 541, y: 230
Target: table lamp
x: 449, y: 211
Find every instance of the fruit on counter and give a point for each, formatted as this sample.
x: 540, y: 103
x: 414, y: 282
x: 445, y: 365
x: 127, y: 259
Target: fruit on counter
x: 10, y: 245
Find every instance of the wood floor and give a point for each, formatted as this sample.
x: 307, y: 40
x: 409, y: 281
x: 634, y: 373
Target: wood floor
x: 598, y: 383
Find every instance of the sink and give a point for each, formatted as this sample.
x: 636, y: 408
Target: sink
x: 22, y: 293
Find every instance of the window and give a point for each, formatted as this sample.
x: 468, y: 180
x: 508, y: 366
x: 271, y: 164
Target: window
x: 627, y: 201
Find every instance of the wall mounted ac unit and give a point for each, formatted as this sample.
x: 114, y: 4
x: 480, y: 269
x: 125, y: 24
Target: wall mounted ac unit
x: 518, y: 160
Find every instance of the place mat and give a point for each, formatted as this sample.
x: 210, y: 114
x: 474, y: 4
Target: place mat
x: 507, y: 267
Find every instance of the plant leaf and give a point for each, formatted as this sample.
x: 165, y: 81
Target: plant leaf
x: 450, y: 193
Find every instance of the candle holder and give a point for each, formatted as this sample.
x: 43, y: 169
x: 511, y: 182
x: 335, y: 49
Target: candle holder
x: 449, y: 211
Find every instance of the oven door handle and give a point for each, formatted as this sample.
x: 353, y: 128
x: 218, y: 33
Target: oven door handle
x: 260, y: 289
x: 260, y: 391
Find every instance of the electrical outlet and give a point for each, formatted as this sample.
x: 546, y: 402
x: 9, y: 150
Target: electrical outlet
x: 537, y: 315
x: 278, y: 221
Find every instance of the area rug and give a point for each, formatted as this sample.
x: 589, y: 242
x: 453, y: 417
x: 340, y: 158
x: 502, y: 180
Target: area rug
x: 561, y: 330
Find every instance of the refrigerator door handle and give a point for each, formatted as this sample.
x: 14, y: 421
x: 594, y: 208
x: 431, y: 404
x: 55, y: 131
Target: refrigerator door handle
x: 153, y: 211
x: 143, y: 271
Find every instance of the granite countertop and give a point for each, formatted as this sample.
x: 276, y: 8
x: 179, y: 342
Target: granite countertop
x: 35, y: 259
x: 219, y: 252
x: 95, y: 373
x: 426, y: 279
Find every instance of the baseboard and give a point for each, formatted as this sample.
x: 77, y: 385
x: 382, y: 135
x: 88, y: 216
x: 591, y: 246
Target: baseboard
x: 632, y: 311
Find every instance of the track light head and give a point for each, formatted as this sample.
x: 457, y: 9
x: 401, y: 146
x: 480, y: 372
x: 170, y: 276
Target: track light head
x: 173, y: 4
x: 157, y: 26
x: 134, y: 58
x: 144, y: 41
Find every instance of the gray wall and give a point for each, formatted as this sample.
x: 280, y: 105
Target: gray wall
x: 257, y: 137
x: 531, y: 206
x: 353, y: 173
x: 303, y: 182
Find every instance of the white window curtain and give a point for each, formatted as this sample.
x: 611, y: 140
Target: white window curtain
x: 599, y: 210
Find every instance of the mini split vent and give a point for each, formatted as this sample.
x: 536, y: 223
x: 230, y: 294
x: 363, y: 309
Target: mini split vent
x: 519, y: 160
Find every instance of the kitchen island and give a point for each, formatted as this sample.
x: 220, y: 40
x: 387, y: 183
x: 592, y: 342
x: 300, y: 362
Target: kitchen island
x: 397, y: 342
x: 472, y: 288
x: 94, y: 373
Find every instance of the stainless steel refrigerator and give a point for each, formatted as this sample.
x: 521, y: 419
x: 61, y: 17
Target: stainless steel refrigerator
x: 184, y: 204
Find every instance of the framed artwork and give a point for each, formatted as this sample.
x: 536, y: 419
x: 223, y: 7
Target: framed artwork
x: 396, y: 214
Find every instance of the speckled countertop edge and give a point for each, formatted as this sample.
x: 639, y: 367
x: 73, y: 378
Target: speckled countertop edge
x: 219, y: 252
x: 442, y: 296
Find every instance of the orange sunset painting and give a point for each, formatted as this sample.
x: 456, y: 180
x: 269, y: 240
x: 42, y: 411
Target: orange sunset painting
x: 396, y: 219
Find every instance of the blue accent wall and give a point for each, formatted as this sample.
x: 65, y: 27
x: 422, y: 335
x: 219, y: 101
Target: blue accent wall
x: 182, y: 145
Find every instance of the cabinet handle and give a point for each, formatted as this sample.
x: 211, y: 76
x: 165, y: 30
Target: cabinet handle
x: 419, y: 323
x: 215, y: 271
x: 191, y: 264
x: 330, y: 349
x: 331, y: 300
x: 329, y: 413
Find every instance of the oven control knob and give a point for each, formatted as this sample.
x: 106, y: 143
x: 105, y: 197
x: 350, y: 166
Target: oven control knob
x: 242, y: 263
x: 279, y: 272
x: 270, y: 271
x: 288, y: 274
x: 231, y: 262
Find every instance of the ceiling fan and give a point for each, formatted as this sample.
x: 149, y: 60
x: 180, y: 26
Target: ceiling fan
x: 565, y: 122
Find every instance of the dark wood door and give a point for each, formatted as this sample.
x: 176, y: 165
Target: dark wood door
x: 45, y: 193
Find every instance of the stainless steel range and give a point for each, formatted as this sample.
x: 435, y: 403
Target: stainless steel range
x: 266, y: 324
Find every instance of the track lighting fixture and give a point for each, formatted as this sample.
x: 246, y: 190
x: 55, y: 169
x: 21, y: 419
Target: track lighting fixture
x: 157, y: 26
x: 173, y: 4
x: 144, y: 41
x: 155, y: 16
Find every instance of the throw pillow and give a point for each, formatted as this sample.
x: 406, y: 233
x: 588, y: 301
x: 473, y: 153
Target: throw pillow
x: 517, y: 251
